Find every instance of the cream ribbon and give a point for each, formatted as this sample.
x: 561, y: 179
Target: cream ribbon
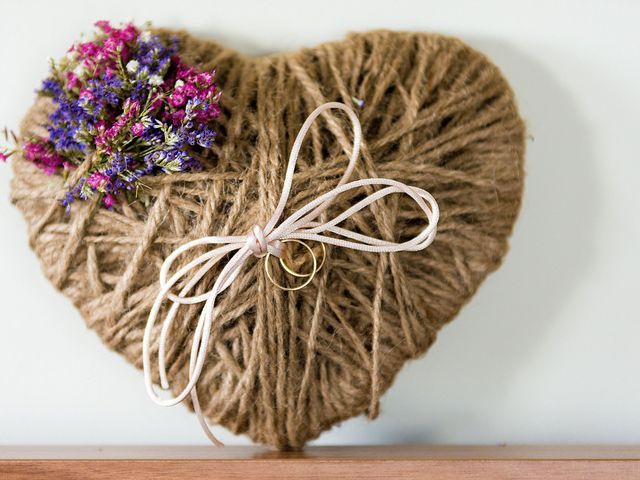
x: 259, y: 242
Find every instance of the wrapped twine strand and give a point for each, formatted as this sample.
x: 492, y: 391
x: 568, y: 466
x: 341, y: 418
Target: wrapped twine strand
x: 284, y: 366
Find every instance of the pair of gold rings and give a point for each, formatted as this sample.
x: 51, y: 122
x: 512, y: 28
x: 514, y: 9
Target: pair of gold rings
x: 309, y: 276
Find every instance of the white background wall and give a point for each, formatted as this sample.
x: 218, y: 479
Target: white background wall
x: 549, y: 349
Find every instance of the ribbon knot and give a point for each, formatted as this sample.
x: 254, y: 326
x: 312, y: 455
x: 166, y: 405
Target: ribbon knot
x: 259, y: 246
x: 301, y: 225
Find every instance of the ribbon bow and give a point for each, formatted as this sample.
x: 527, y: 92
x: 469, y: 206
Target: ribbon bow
x: 259, y: 242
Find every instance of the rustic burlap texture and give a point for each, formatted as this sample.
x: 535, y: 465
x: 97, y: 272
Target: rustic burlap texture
x: 284, y: 366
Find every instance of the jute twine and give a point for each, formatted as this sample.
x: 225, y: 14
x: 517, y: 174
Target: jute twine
x: 284, y: 366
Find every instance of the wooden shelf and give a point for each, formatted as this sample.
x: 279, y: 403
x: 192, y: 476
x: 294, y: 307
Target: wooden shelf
x: 343, y: 463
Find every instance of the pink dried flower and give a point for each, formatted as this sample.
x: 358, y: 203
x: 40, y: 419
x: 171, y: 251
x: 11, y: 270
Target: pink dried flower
x: 111, y: 46
x: 86, y: 94
x: 109, y: 200
x: 97, y: 179
x: 114, y: 130
x: 137, y: 129
x: 104, y: 25
x: 88, y: 50
x: 43, y: 156
x: 131, y: 107
x: 128, y: 33
x: 190, y: 90
x: 157, y: 103
x: 178, y: 116
x: 72, y: 80
x: 183, y: 71
x: 100, y: 140
x: 176, y: 100
x: 204, y: 79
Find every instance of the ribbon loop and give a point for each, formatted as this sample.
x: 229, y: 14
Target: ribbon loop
x: 260, y: 246
x: 259, y: 242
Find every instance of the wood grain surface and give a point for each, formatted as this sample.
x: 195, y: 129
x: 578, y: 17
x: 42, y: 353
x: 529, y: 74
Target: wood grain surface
x: 344, y: 463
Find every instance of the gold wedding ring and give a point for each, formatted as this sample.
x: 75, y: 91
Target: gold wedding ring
x: 291, y: 271
x: 309, y: 276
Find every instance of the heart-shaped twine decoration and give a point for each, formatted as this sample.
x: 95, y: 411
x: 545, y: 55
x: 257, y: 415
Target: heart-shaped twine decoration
x: 283, y: 366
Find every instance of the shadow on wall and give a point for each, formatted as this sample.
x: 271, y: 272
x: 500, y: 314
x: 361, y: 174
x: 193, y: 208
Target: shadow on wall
x: 449, y: 395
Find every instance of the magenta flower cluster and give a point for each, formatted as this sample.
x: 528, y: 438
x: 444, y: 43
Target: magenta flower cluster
x: 127, y: 101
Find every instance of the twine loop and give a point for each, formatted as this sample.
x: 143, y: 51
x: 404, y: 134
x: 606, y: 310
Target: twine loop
x: 299, y: 227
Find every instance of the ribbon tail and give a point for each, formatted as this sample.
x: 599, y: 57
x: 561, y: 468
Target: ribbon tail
x: 168, y: 321
x: 202, y: 420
